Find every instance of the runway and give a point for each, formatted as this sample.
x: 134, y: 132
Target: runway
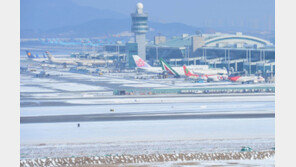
x: 140, y: 116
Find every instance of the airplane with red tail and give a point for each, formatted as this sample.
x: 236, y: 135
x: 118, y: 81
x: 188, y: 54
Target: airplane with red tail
x: 246, y: 79
x: 194, y: 76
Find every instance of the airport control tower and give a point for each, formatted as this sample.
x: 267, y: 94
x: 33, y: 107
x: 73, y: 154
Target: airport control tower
x: 140, y: 28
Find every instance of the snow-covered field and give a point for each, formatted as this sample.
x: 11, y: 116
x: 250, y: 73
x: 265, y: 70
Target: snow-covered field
x: 84, y: 99
x: 170, y: 100
x: 144, y: 147
x: 120, y: 131
x: 25, y: 79
x: 69, y: 95
x: 268, y: 162
x: 196, y: 107
x: 55, y: 84
x: 72, y: 86
x: 35, y: 89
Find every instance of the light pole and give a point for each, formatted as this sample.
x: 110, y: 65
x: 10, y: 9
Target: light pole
x: 187, y: 48
x: 250, y: 61
x: 264, y: 62
x: 228, y: 59
x: 157, y: 54
x: 205, y: 56
x: 225, y: 58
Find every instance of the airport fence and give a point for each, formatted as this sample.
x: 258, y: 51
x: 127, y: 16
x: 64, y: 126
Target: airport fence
x: 203, y: 90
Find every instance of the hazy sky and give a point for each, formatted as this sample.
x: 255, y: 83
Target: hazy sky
x: 197, y: 12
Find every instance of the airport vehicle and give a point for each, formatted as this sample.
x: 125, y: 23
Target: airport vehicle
x: 42, y: 74
x: 246, y: 79
x: 142, y: 65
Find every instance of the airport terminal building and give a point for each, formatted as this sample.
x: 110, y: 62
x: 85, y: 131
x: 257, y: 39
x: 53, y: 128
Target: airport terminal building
x: 235, y: 52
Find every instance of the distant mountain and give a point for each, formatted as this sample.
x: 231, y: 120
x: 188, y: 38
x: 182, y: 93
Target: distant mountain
x: 103, y: 27
x: 96, y: 27
x: 172, y: 29
x: 41, y: 15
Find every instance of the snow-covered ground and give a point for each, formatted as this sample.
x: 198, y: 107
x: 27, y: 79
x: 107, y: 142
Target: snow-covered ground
x: 159, y: 130
x: 25, y: 79
x: 54, y: 84
x: 145, y: 147
x: 170, y: 100
x: 35, y: 89
x: 72, y: 86
x: 65, y: 95
x: 146, y: 137
x: 204, y: 107
x: 269, y: 162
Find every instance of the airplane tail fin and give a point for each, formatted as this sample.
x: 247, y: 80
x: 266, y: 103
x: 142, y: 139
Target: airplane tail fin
x: 140, y: 62
x: 186, y: 71
x: 166, y: 67
x: 49, y: 56
x: 29, y: 54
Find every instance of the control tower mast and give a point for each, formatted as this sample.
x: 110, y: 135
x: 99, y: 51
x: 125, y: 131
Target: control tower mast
x: 140, y: 28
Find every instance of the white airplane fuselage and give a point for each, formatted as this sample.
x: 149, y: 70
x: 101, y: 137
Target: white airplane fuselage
x: 246, y: 79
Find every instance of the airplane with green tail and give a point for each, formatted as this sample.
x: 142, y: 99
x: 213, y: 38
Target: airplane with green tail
x: 166, y: 67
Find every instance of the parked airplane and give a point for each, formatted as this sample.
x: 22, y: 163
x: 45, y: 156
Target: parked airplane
x: 209, y: 78
x: 216, y: 78
x: 246, y: 79
x: 73, y: 61
x: 194, y: 76
x: 35, y: 57
x: 214, y: 74
x: 142, y: 65
x: 176, y: 71
x: 53, y: 60
x: 165, y: 67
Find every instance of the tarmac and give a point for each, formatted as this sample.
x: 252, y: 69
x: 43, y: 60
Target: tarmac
x: 140, y: 116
